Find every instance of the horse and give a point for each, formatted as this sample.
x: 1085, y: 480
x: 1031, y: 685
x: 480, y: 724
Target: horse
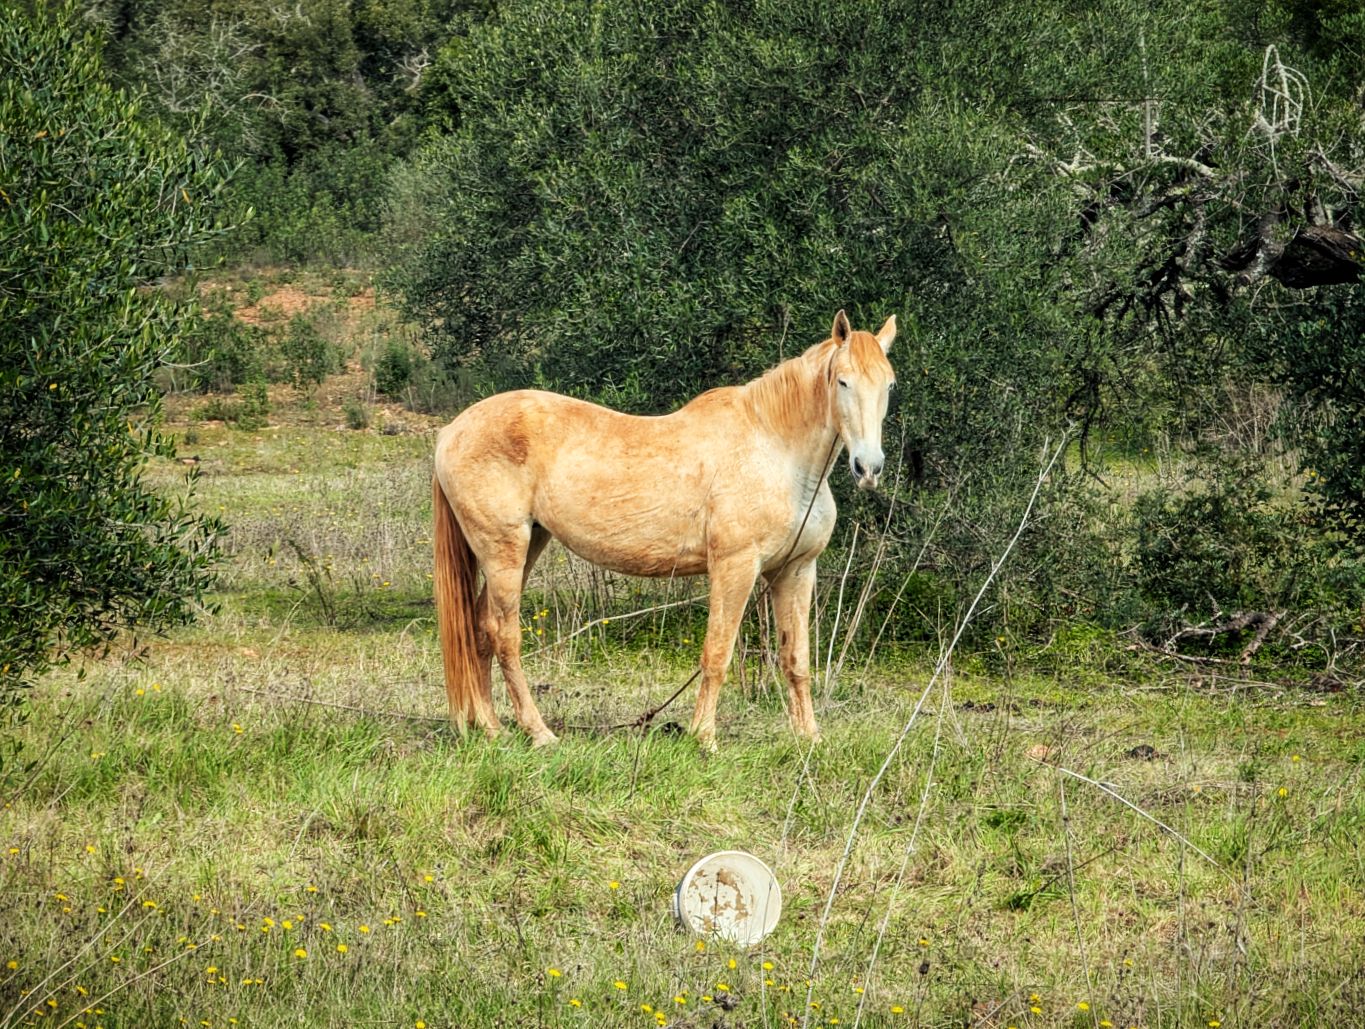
x: 733, y: 485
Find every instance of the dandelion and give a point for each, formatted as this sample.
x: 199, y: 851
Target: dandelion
x: 613, y: 885
x: 1082, y: 1006
x: 701, y: 946
x: 364, y: 928
x: 90, y: 848
x: 1214, y: 1023
x: 896, y: 1009
x: 1106, y: 1024
x: 646, y: 1009
x: 13, y: 966
x: 574, y: 1002
x: 1036, y: 1009
x: 731, y: 964
x: 419, y: 1024
x: 310, y: 888
x: 149, y: 904
x: 342, y: 948
x: 1282, y: 792
x: 428, y: 878
x: 767, y: 966
x: 553, y: 973
x: 300, y: 953
x: 619, y: 984
x: 923, y: 942
x: 680, y: 999
x: 722, y: 987
x: 286, y: 924
x: 1295, y: 758
x: 139, y: 692
x: 420, y: 914
x: 325, y: 926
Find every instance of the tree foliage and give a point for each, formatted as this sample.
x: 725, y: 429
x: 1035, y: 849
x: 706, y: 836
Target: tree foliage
x: 1084, y: 213
x: 96, y: 202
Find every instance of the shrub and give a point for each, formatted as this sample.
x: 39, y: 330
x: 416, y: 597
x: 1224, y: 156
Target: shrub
x: 221, y: 351
x: 357, y: 413
x: 98, y: 202
x: 309, y: 357
x: 393, y: 371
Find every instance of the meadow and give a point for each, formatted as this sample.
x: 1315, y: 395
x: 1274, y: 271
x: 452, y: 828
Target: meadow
x: 264, y: 820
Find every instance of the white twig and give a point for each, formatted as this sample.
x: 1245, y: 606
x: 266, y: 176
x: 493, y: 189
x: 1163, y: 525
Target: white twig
x: 905, y: 860
x: 1151, y: 818
x: 943, y: 660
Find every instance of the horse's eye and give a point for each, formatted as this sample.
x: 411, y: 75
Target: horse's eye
x: 843, y: 383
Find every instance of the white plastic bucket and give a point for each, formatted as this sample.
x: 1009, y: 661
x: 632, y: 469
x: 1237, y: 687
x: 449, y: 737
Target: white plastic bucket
x: 729, y: 895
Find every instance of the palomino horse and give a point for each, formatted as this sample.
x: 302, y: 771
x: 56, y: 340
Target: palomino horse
x: 734, y: 485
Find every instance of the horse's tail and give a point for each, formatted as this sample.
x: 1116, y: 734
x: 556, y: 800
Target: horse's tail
x: 455, y: 578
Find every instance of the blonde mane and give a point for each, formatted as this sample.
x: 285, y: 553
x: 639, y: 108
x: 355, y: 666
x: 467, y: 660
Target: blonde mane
x: 787, y: 398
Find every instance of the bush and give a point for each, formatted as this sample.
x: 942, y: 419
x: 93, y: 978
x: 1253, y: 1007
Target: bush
x: 247, y: 411
x: 221, y: 351
x: 309, y: 357
x: 356, y: 412
x: 98, y: 202
x: 393, y: 371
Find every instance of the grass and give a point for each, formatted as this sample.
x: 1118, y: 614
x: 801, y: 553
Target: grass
x: 264, y: 820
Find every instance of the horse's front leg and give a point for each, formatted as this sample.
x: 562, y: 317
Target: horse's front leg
x: 792, y: 589
x: 732, y: 580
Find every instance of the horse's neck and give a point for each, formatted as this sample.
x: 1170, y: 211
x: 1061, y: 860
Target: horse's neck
x: 792, y: 404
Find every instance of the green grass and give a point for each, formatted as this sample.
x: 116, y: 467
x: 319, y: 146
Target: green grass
x: 279, y: 778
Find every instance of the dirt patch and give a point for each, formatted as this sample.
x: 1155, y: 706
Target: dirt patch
x: 280, y: 305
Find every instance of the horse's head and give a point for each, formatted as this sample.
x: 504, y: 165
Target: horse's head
x: 862, y: 379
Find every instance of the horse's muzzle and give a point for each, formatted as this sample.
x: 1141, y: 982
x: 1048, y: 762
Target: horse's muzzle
x: 866, y: 473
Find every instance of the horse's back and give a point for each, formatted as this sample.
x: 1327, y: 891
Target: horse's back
x: 624, y: 491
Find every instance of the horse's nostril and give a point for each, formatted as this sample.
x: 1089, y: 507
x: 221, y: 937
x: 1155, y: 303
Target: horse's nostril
x: 877, y: 468
x: 858, y: 468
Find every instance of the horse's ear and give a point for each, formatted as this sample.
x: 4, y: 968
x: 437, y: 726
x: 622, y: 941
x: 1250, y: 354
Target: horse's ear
x: 842, y: 330
x: 887, y: 333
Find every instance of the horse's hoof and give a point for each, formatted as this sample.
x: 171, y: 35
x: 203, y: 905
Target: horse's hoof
x: 544, y: 739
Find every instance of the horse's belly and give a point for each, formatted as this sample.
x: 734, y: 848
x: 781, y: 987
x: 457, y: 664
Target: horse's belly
x: 624, y: 546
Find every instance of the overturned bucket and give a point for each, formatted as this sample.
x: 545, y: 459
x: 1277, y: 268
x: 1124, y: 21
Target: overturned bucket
x: 729, y: 895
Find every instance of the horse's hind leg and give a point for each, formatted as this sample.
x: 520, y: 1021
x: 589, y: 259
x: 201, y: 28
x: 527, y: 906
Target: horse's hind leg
x: 505, y: 574
x: 792, y: 589
x: 483, y: 649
